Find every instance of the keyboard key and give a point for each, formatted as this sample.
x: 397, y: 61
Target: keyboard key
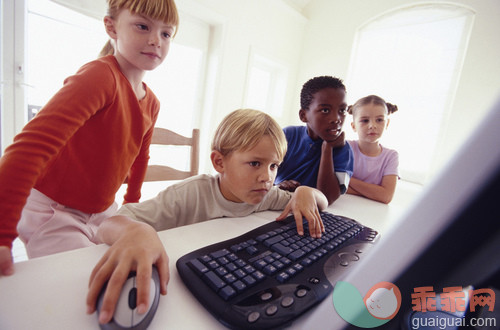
x: 284, y: 250
x: 282, y: 277
x: 231, y: 267
x: 252, y: 250
x: 239, y: 285
x: 260, y: 264
x: 273, y: 240
x: 262, y: 237
x: 236, y: 248
x: 213, y: 264
x: 221, y: 271
x: 229, y: 278
x: 198, y: 266
x: 205, y: 259
x: 220, y: 253
x: 269, y: 259
x: 269, y: 270
x: 329, y: 247
x: 258, y: 275
x: 278, y: 264
x: 214, y: 281
x: 298, y: 267
x: 240, y: 263
x: 285, y: 260
x: 249, y: 269
x: 319, y: 254
x: 222, y: 260
x: 239, y: 273
x: 296, y: 254
x: 276, y: 255
x: 291, y: 271
x: 227, y: 292
x: 249, y: 280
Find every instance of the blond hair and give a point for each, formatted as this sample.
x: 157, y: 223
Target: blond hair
x: 242, y: 129
x: 163, y: 10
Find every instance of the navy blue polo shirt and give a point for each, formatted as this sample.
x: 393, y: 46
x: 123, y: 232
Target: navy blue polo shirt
x: 302, y: 159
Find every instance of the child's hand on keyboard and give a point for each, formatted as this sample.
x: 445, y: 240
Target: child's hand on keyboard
x: 306, y: 203
x: 133, y: 246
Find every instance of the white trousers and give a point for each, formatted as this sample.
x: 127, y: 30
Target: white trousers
x: 47, y: 227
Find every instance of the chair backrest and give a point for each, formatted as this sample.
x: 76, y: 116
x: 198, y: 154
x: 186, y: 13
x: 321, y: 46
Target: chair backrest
x: 163, y: 136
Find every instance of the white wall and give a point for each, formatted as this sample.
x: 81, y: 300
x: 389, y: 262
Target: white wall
x: 329, y: 38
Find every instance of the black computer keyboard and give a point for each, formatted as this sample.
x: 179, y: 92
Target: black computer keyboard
x: 269, y: 276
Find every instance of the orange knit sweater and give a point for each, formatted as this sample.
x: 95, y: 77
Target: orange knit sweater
x: 81, y: 146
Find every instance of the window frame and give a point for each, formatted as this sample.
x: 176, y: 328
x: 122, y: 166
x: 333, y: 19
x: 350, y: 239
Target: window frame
x: 276, y: 94
x: 13, y: 15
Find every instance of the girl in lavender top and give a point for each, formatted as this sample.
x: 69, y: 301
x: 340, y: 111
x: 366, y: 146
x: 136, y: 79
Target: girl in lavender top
x: 375, y: 171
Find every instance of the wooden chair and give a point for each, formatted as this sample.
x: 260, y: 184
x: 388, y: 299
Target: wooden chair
x: 163, y: 136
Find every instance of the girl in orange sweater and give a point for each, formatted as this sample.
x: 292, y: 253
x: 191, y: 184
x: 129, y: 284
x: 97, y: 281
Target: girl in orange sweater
x: 59, y: 177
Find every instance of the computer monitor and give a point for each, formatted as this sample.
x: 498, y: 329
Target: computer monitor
x: 449, y: 237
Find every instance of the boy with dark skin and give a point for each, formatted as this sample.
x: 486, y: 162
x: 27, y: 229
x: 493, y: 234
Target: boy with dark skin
x: 317, y: 153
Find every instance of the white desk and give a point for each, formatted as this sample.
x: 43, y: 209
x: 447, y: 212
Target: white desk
x: 50, y: 292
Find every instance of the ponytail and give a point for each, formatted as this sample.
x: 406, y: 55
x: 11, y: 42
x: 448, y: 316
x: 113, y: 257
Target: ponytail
x: 108, y: 49
x: 391, y: 108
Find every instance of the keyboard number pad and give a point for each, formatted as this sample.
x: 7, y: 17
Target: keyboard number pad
x: 225, y: 273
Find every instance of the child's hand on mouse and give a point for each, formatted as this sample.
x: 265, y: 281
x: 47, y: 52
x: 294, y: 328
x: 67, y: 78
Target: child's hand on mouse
x: 134, y: 246
x: 289, y: 185
x: 304, y: 204
x: 339, y: 141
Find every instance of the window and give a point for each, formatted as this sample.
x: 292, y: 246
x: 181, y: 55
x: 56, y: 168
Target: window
x: 266, y: 85
x: 59, y: 42
x: 412, y: 57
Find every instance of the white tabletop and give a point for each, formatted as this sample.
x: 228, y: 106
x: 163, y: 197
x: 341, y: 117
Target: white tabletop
x: 50, y: 292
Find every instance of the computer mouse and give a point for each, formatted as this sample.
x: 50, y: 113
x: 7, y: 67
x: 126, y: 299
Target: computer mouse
x: 126, y: 315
